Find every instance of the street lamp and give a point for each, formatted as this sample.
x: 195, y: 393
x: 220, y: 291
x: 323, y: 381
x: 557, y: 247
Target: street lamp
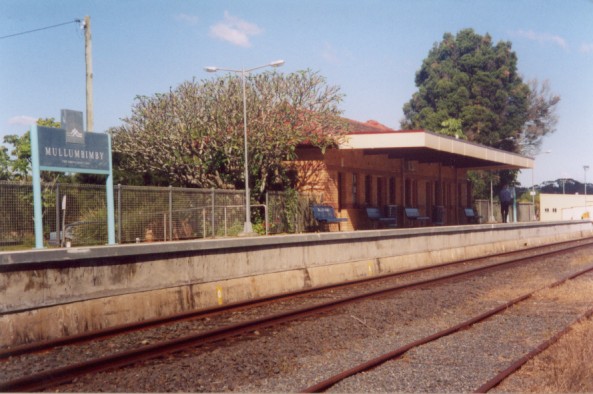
x: 585, y: 168
x: 248, y: 227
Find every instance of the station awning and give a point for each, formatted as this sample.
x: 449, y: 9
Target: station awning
x: 427, y: 147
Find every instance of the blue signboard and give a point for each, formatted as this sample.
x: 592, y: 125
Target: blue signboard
x: 70, y: 151
x: 90, y: 152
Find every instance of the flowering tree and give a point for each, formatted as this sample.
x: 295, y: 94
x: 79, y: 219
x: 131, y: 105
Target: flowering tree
x: 193, y: 135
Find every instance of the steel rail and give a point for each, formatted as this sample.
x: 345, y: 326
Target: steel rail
x: 502, y: 375
x: 331, y: 381
x: 64, y: 374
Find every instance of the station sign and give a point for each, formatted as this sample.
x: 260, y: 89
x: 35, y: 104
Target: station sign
x: 74, y: 151
x: 70, y: 150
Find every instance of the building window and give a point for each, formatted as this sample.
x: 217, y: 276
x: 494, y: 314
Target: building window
x: 354, y: 190
x: 392, y: 190
x: 408, y: 193
x: 368, y: 189
x: 380, y: 194
x: 429, y: 195
x: 438, y: 193
x: 340, y: 192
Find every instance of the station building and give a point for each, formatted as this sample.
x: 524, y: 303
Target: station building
x: 376, y: 166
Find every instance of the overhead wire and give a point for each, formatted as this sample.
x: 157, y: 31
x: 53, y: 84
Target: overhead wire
x: 40, y: 29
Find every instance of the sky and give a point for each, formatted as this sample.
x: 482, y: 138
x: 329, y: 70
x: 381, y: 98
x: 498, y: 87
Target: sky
x: 371, y: 49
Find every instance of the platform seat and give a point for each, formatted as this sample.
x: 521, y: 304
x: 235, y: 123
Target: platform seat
x: 375, y: 215
x: 471, y: 216
x: 325, y: 215
x: 413, y: 215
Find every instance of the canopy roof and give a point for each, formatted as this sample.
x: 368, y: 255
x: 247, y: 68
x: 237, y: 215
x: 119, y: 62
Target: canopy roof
x: 426, y: 147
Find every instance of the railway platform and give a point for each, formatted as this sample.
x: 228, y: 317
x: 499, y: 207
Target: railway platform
x: 49, y: 294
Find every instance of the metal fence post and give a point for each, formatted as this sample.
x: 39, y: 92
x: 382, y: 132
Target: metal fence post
x: 171, y: 212
x: 58, y: 213
x: 119, y: 224
x: 213, y: 197
x: 225, y: 222
x: 266, y: 212
x: 204, y: 222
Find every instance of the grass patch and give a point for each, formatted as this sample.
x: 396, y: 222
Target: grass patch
x: 564, y: 367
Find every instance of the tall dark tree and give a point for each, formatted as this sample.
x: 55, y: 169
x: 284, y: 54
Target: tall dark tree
x: 193, y: 135
x: 470, y: 87
x: 467, y: 79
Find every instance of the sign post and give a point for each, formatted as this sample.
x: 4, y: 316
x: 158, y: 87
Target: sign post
x: 63, y: 150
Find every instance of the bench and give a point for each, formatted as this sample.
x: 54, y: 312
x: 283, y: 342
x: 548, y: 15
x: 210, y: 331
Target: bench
x: 374, y: 214
x: 471, y: 216
x: 325, y: 215
x: 413, y: 214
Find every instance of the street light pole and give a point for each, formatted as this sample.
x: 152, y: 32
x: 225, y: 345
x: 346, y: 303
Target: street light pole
x: 88, y: 56
x: 248, y: 226
x: 533, y: 191
x: 585, y: 168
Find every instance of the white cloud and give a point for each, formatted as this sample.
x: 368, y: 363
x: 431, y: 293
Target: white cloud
x: 543, y: 38
x: 235, y: 30
x: 187, y: 18
x: 586, y: 47
x: 22, y: 120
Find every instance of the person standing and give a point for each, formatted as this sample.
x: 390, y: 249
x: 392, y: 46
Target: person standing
x: 506, y: 199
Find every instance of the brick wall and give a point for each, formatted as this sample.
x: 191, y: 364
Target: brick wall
x: 349, y: 181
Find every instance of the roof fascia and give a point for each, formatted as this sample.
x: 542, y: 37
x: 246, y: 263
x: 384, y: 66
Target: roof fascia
x: 441, y: 143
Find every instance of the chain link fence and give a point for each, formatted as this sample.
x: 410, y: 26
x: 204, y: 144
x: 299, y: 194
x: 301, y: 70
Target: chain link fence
x: 76, y: 215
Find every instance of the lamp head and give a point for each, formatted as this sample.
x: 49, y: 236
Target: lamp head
x: 277, y: 63
x: 211, y: 69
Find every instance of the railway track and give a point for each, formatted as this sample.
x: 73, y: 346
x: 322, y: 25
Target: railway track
x: 53, y: 376
x: 465, y: 325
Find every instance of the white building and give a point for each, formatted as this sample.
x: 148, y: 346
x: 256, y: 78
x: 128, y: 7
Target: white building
x: 565, y: 207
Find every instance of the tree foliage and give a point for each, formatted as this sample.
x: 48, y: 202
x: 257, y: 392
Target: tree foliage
x: 468, y: 79
x: 194, y: 136
x: 17, y: 162
x: 20, y: 162
x: 5, y: 169
x: 541, y: 117
x: 470, y: 88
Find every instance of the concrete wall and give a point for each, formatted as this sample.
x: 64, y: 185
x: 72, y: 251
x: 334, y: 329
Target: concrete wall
x: 52, y: 293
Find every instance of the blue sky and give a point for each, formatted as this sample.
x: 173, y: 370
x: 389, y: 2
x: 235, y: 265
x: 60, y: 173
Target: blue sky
x: 371, y: 49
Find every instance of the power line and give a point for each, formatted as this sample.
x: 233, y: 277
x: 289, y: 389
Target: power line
x: 42, y: 28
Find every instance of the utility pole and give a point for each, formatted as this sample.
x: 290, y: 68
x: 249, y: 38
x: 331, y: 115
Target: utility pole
x: 88, y: 56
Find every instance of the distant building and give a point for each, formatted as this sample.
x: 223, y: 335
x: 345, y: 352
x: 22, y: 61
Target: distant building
x: 381, y: 167
x: 565, y: 207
